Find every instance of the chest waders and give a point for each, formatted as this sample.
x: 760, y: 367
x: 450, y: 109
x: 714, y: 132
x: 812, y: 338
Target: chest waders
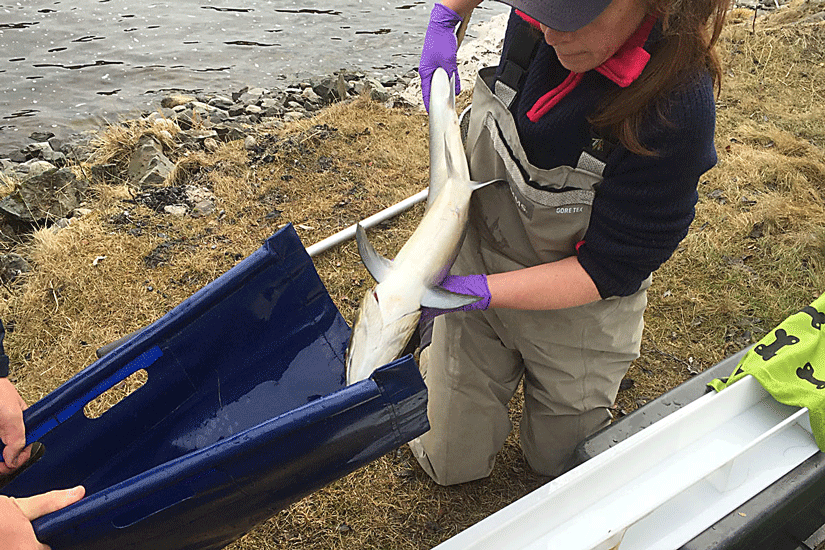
x: 571, y: 360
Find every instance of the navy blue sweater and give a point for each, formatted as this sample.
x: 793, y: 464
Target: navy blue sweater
x: 644, y: 206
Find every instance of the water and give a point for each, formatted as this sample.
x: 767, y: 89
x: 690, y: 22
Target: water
x: 69, y: 66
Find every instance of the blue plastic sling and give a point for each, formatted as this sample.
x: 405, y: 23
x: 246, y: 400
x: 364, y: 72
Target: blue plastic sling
x: 244, y: 412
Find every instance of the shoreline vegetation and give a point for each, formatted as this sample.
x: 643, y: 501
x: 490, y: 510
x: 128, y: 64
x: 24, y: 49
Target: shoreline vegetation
x: 106, y: 241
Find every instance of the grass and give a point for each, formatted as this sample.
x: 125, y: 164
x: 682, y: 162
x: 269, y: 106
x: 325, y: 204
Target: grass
x: 754, y: 255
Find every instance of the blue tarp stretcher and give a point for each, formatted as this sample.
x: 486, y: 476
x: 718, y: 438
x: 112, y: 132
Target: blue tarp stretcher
x: 244, y: 412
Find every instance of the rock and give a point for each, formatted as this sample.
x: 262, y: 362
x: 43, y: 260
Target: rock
x: 221, y: 117
x: 249, y: 143
x: 178, y: 210
x: 193, y: 139
x: 230, y: 131
x: 221, y: 102
x: 41, y: 136
x: 195, y: 112
x: 272, y: 107
x: 253, y: 110
x: 195, y: 194
x: 326, y: 89
x: 814, y: 18
x: 36, y: 150
x: 251, y: 96
x: 176, y: 100
x: 237, y: 95
x: 8, y: 233
x: 272, y: 103
x: 57, y: 144
x: 341, y: 87
x: 62, y: 223
x: 273, y: 123
x: 51, y: 195
x: 373, y: 88
x: 310, y: 95
x: 218, y: 116
x: 203, y: 208
x: 55, y: 157
x: 237, y: 109
x: 184, y: 119
x: 34, y: 168
x: 11, y: 266
x: 210, y: 144
x: 148, y: 165
x: 163, y: 124
x: 7, y: 167
x: 257, y: 92
x: 200, y: 108
x: 76, y: 146
x: 17, y: 156
x: 291, y: 116
x: 104, y: 172
x: 166, y: 135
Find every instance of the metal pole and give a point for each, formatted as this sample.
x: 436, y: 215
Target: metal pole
x: 313, y: 250
x: 375, y: 219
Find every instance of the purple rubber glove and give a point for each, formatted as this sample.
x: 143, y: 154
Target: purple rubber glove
x: 473, y: 285
x: 439, y: 50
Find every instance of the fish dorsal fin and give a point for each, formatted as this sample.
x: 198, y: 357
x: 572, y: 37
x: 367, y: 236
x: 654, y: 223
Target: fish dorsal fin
x: 476, y: 185
x: 441, y: 298
x: 377, y: 265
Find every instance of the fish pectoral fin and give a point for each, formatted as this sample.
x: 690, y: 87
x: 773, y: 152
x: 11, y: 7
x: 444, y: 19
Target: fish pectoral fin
x: 377, y: 265
x: 479, y: 184
x: 440, y: 298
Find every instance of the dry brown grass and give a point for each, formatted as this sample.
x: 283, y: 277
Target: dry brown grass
x: 753, y: 256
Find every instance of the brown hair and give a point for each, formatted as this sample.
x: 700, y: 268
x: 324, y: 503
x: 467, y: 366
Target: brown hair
x: 690, y: 30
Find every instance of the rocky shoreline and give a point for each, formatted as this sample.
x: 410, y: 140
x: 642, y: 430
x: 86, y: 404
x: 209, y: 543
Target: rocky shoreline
x: 248, y: 106
x: 47, y: 192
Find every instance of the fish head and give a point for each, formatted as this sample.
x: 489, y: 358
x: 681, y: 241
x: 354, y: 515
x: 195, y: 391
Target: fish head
x: 379, y: 335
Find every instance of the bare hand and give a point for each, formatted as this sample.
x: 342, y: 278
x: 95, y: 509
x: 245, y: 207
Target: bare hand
x: 16, y: 515
x: 12, y: 430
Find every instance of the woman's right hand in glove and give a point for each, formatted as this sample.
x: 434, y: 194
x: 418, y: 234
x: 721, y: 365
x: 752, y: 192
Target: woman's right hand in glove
x: 439, y: 50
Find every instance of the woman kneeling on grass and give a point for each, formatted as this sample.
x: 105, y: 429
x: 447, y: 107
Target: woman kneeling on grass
x: 598, y: 121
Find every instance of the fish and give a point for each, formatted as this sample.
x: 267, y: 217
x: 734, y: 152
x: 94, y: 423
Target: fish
x: 389, y: 312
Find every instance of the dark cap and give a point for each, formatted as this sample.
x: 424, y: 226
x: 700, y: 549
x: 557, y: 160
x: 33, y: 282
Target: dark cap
x: 561, y: 15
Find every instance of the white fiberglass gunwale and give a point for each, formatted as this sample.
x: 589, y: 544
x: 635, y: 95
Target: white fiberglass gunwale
x: 661, y: 487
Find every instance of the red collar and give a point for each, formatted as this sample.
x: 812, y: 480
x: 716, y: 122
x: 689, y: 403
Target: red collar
x: 623, y: 68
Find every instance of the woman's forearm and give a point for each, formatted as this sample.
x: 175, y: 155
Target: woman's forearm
x: 461, y: 7
x: 555, y: 285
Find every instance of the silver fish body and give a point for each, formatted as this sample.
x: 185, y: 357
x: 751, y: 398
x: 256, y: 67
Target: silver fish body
x: 390, y: 311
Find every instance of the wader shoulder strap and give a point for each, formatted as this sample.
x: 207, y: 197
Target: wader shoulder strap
x: 514, y: 66
x: 594, y: 157
x: 591, y: 164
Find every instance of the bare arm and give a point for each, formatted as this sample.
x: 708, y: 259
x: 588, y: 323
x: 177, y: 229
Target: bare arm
x: 461, y: 7
x: 554, y: 285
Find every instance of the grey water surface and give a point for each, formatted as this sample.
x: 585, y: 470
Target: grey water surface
x: 67, y: 66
